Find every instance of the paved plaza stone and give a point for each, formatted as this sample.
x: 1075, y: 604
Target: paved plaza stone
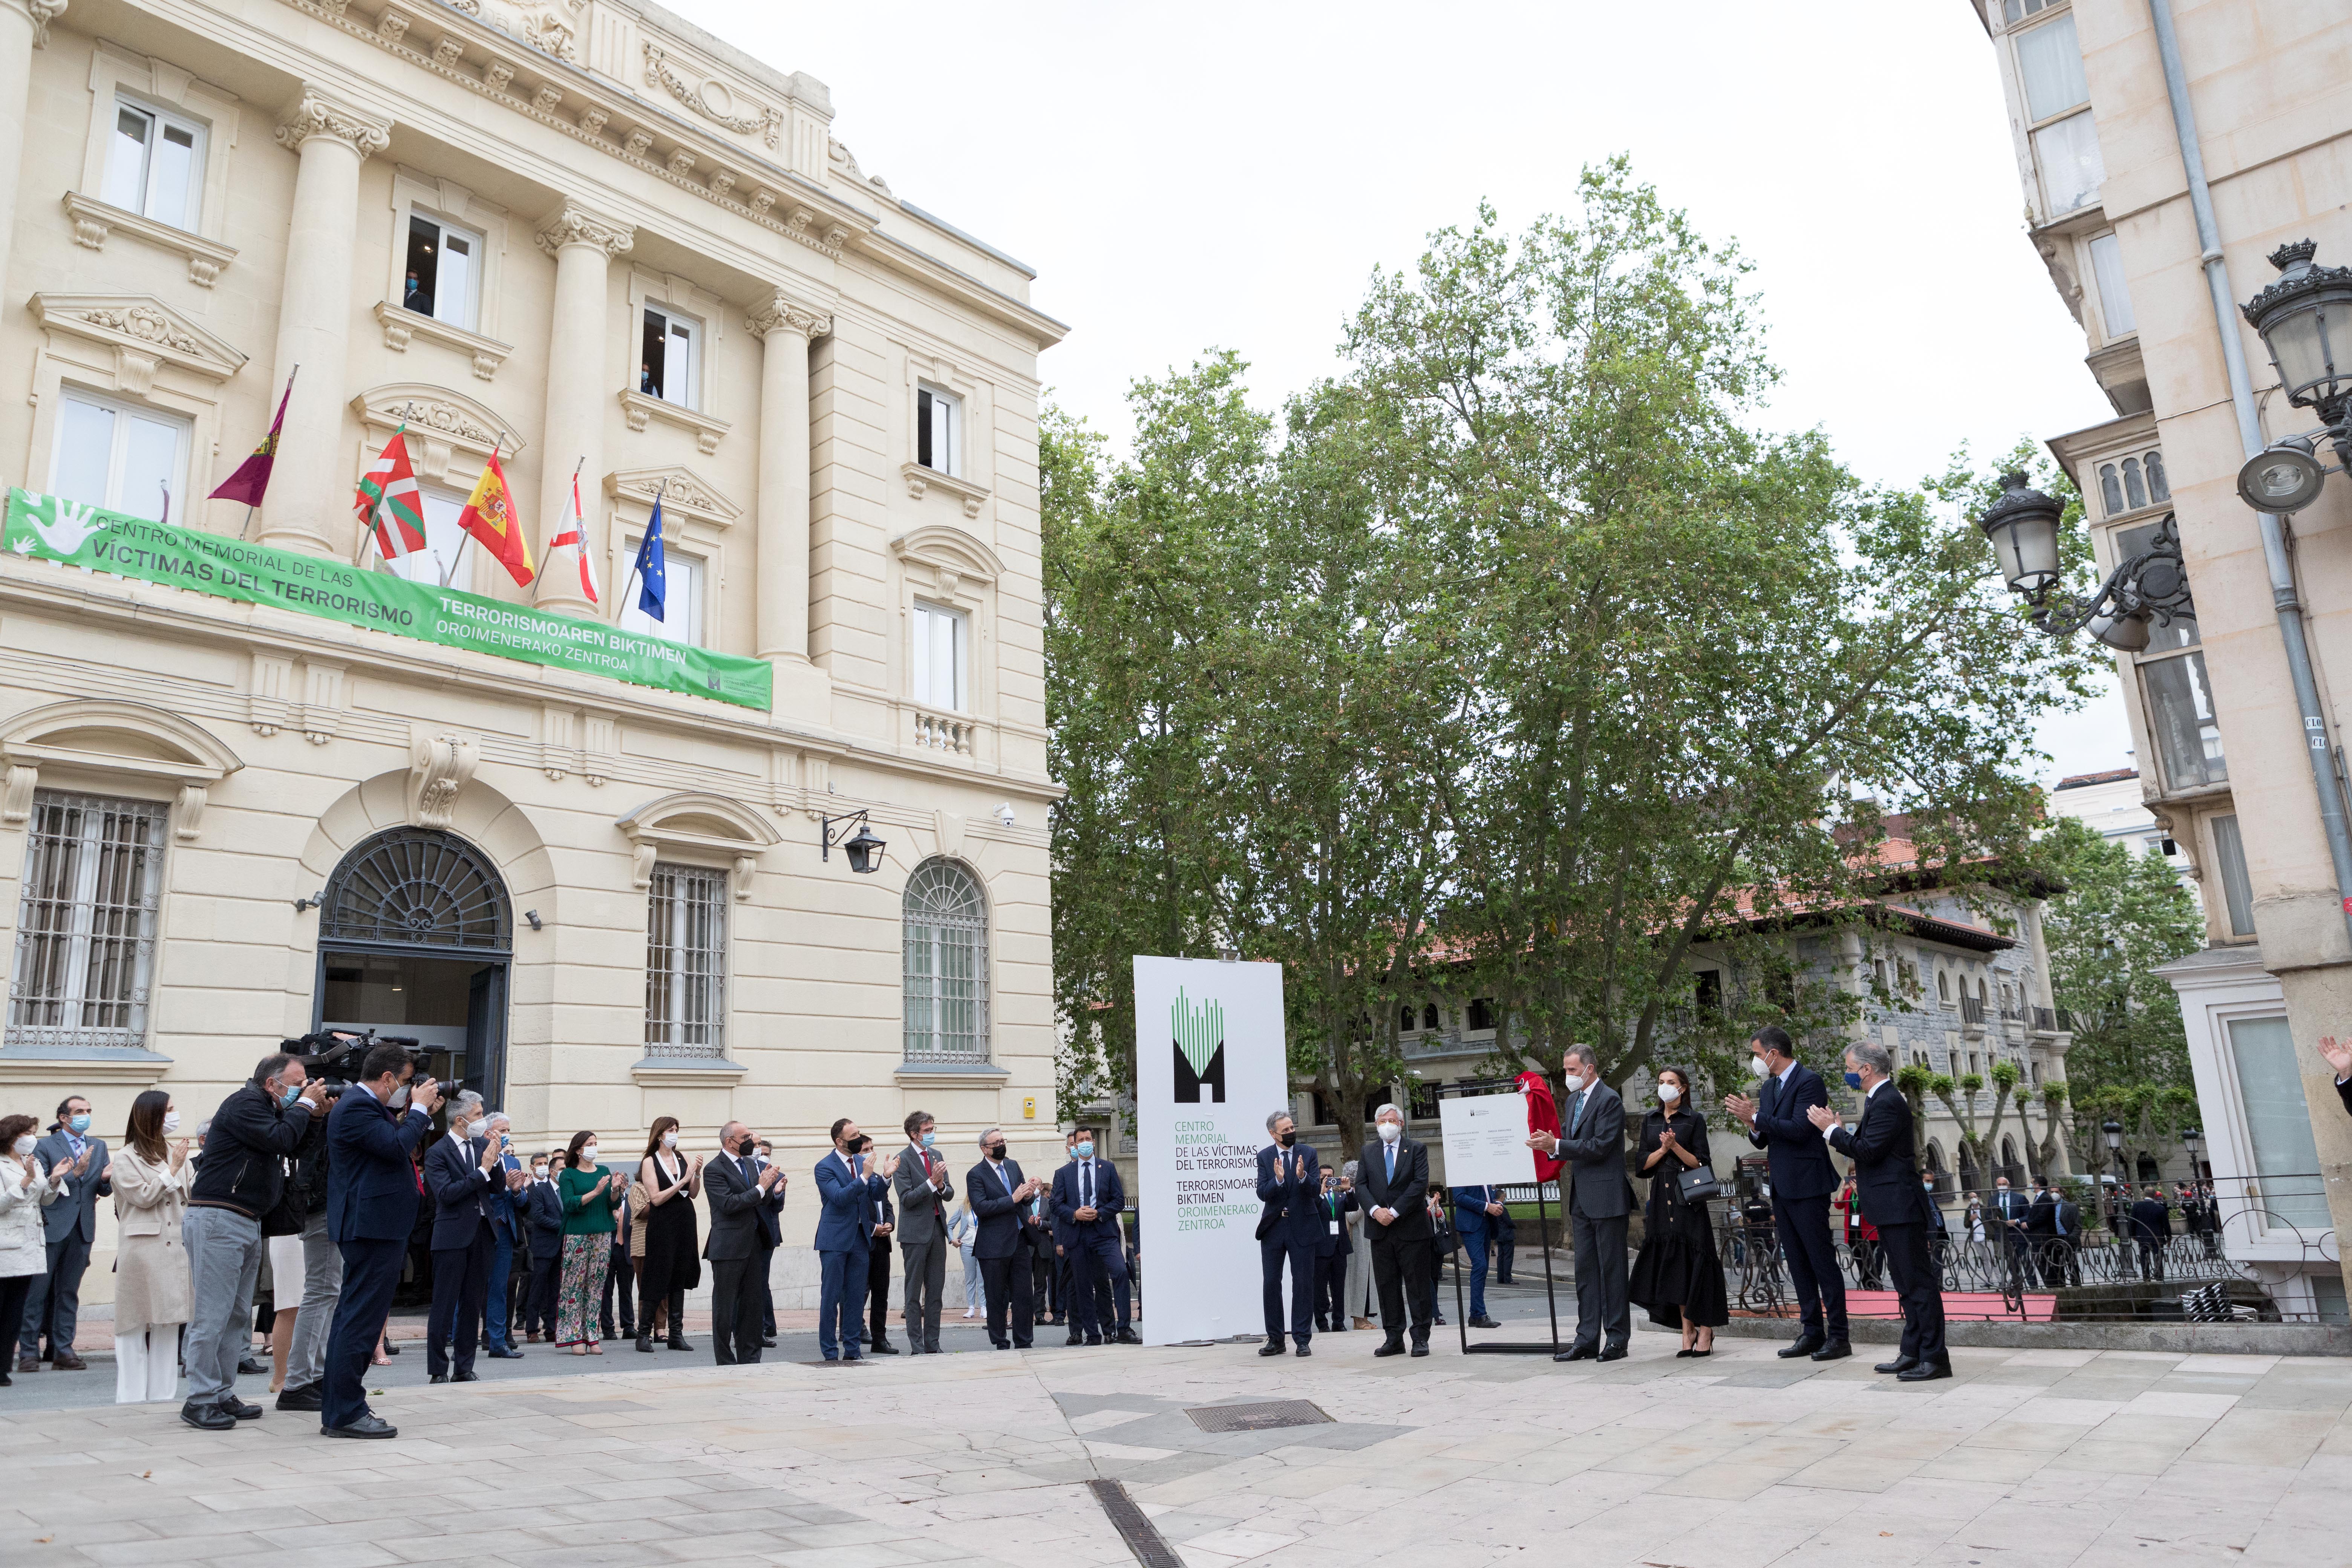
x: 2025, y: 1459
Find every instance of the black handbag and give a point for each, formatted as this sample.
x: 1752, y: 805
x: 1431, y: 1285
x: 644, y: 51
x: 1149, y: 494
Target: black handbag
x: 1698, y: 1184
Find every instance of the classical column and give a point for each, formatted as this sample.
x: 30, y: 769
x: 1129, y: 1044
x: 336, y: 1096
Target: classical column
x: 23, y: 27
x: 308, y: 504
x: 786, y: 326
x: 580, y: 392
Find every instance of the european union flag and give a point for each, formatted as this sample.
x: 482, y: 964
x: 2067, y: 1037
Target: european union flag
x: 653, y: 584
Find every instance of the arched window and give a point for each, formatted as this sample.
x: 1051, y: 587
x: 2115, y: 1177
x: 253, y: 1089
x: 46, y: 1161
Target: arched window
x: 2111, y: 488
x: 2150, y: 1171
x: 1429, y: 1015
x: 1404, y: 1021
x: 2157, y: 489
x: 2135, y: 491
x: 418, y: 886
x: 946, y: 929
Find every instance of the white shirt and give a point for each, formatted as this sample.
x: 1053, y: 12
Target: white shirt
x: 1874, y: 1089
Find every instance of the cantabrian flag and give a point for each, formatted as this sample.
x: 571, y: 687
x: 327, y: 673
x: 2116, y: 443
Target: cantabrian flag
x: 489, y: 516
x: 388, y: 504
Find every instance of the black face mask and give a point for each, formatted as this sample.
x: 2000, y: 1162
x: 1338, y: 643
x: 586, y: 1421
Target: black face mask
x: 1285, y: 1138
x: 995, y: 1150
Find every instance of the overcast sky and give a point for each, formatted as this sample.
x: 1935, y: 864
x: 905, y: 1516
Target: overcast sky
x: 1229, y: 175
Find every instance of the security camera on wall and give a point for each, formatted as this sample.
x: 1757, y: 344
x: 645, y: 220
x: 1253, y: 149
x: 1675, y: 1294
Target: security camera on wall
x: 1005, y: 814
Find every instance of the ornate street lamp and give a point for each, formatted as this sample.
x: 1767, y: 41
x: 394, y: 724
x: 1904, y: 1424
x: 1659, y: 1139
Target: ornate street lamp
x: 2193, y: 1139
x: 865, y: 850
x: 2022, y: 526
x: 2305, y: 320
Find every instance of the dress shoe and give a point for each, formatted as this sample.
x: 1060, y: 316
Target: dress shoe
x: 884, y: 1347
x: 247, y: 1366
x: 208, y: 1418
x: 645, y: 1343
x: 1483, y: 1322
x: 1338, y: 1328
x: 768, y: 1342
x: 438, y: 1377
x: 469, y: 1375
x: 5, y: 1381
x: 1576, y: 1353
x: 240, y: 1409
x: 1094, y: 1339
x: 1924, y: 1372
x: 1271, y: 1347
x: 1392, y: 1347
x: 28, y: 1363
x: 1900, y: 1363
x: 1805, y: 1344
x: 1129, y: 1337
x: 932, y: 1348
x: 1078, y: 1338
x: 67, y: 1361
x: 1304, y: 1351
x: 505, y: 1352
x: 1836, y: 1350
x: 309, y: 1397
x: 1614, y: 1353
x: 368, y: 1425
x: 1421, y: 1349
x: 677, y: 1342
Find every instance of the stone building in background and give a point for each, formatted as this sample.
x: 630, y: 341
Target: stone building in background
x: 592, y: 238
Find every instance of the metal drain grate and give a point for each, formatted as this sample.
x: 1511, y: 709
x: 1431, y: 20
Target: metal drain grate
x: 1142, y: 1537
x: 1262, y: 1416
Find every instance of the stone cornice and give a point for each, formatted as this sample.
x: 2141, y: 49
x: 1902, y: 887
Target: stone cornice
x: 575, y: 225
x: 317, y: 115
x: 783, y: 313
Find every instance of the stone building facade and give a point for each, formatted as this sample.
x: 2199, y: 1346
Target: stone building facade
x: 589, y: 237
x: 2158, y: 195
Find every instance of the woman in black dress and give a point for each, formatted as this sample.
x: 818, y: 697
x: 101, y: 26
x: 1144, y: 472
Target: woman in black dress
x: 1677, y: 1278
x: 673, y: 1262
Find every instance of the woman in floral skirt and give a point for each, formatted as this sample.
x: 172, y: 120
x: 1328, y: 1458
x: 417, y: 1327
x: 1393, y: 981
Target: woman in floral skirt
x: 590, y: 1198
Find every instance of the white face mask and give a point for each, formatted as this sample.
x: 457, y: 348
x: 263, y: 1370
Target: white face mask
x: 1389, y: 1131
x: 171, y: 1122
x: 1668, y: 1093
x: 538, y: 1173
x: 588, y: 1157
x: 669, y: 1140
x: 1755, y: 1065
x: 1575, y: 1083
x: 24, y: 1150
x: 399, y: 1100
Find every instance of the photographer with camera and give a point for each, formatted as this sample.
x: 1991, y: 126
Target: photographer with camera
x: 241, y: 1178
x: 373, y: 1135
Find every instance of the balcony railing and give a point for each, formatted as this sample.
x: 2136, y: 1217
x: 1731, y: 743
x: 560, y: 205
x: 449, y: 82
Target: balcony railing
x: 943, y: 732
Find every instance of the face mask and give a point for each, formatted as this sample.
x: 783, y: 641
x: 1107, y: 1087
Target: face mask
x: 588, y: 1157
x: 1668, y: 1093
x: 929, y: 1139
x: 399, y: 1100
x: 538, y: 1173
x: 762, y: 1156
x: 1389, y: 1131
x: 1084, y: 1150
x: 669, y: 1140
x: 288, y: 1094
x: 24, y: 1149
x: 171, y: 1122
x: 997, y: 1151
x: 1285, y: 1138
x: 1756, y: 1065
x: 80, y: 1123
x: 1854, y: 1081
x: 1575, y: 1083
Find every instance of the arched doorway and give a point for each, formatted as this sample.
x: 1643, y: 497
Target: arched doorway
x: 414, y: 940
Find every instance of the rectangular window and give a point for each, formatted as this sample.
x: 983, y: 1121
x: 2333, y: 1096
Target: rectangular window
x: 667, y: 365
x: 682, y: 578
x: 2050, y: 69
x: 1481, y: 1016
x: 939, y: 434
x: 86, y: 922
x: 2114, y: 298
x: 1708, y: 990
x: 119, y: 456
x: 2018, y: 10
x: 2180, y: 720
x: 444, y: 541
x: 154, y: 165
x: 444, y: 272
x: 2237, y: 890
x: 938, y: 657
x: 685, y: 962
x: 2286, y: 1157
x: 2071, y: 170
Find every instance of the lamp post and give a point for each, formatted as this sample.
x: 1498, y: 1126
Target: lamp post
x: 2112, y: 1131
x: 2023, y: 525
x: 2305, y: 318
x: 2193, y: 1139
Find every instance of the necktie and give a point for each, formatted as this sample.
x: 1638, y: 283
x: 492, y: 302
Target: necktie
x: 1391, y: 1154
x: 1576, y: 1113
x: 1087, y: 1184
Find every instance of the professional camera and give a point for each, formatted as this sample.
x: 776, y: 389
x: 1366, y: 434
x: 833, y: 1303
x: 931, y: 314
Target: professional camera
x: 335, y: 1055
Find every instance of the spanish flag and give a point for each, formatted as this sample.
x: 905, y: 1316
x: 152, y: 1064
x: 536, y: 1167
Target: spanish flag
x: 489, y: 516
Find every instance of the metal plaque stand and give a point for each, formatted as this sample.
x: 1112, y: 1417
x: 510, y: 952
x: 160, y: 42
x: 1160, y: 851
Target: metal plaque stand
x: 1543, y: 1223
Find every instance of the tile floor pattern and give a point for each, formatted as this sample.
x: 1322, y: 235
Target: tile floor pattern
x: 2074, y: 1459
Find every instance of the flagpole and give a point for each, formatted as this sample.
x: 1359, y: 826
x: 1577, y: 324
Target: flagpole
x: 250, y: 507
x: 621, y: 600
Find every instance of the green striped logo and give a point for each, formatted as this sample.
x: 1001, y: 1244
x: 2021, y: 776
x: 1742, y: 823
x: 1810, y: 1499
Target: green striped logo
x: 1198, y: 1031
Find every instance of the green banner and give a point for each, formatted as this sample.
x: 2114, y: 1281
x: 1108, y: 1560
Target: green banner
x: 46, y: 528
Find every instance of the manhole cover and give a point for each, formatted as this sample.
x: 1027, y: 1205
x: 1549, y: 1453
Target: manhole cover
x: 1262, y: 1416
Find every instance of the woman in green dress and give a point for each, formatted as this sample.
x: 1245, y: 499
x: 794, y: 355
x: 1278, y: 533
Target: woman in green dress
x: 590, y: 1198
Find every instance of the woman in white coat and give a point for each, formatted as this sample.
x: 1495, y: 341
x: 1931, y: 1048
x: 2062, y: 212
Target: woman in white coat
x: 1356, y: 1288
x: 25, y: 1192
x: 963, y: 1235
x: 151, y: 1289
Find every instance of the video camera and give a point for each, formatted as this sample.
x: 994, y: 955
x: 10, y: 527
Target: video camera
x: 334, y: 1056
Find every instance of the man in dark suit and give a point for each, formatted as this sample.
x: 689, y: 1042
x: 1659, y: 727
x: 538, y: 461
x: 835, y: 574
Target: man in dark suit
x: 2040, y: 1233
x: 876, y: 1338
x: 2151, y: 1227
x: 1478, y: 1213
x: 371, y: 1202
x: 1332, y: 1250
x: 1599, y: 1200
x: 540, y: 1208
x: 924, y: 1190
x: 2008, y: 1216
x: 69, y: 1226
x: 1392, y: 1189
x: 1290, y: 1185
x: 846, y: 1192
x: 1803, y: 1177
x: 506, y: 1241
x: 1886, y: 1176
x: 1089, y: 1199
x: 2065, y: 1266
x: 999, y: 1193
x: 1037, y: 1230
x: 745, y: 1199
x: 464, y: 1180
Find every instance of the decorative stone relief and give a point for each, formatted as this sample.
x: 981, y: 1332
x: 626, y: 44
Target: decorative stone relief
x: 591, y: 120
x: 314, y: 116
x: 448, y: 51
x: 268, y: 702
x: 546, y: 98
x: 16, y: 803
x: 391, y: 25
x: 47, y: 11
x: 638, y: 140
x: 571, y: 226
x: 681, y: 162
x: 188, y: 815
x: 439, y: 768
x: 722, y: 180
x: 783, y: 314
x: 715, y: 100
x: 551, y: 34
x: 147, y: 324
